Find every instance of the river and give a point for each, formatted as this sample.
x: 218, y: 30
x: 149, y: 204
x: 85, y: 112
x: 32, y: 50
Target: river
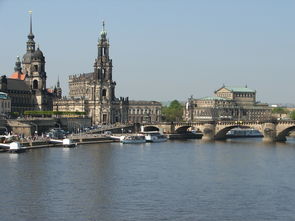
x: 241, y: 179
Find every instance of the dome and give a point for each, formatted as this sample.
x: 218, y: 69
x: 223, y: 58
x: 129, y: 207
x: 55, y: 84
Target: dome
x: 38, y: 54
x: 27, y: 58
x: 103, y: 34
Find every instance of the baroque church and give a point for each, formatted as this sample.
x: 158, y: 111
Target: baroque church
x: 94, y: 94
x: 26, y: 87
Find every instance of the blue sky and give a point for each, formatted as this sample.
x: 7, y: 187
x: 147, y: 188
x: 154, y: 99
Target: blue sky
x: 161, y: 49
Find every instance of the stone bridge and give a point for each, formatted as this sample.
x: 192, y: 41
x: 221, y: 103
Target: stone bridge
x: 216, y: 130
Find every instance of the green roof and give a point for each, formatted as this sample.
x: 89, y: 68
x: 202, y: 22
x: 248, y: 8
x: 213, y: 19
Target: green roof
x: 239, y: 89
x: 214, y: 98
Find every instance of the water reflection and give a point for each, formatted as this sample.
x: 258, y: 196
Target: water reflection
x: 191, y: 180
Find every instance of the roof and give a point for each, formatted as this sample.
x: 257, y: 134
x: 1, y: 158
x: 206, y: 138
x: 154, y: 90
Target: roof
x: 18, y: 85
x: 239, y: 89
x: 214, y: 98
x: 3, y: 96
x: 133, y: 102
x: 17, y: 75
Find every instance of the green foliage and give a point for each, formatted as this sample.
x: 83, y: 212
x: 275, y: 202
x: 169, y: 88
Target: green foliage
x: 292, y: 115
x: 173, y: 112
x: 279, y: 110
x: 50, y: 113
x: 14, y: 114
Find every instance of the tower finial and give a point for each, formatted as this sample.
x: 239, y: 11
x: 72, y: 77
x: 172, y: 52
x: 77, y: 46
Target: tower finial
x: 17, y: 67
x: 58, y: 84
x: 31, y: 28
x: 103, y: 25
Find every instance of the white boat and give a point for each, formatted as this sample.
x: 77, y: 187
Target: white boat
x: 68, y: 143
x: 243, y: 132
x: 155, y: 137
x: 15, y: 147
x: 65, y: 142
x: 132, y: 139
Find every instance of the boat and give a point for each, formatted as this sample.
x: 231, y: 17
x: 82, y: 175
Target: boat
x: 68, y: 143
x: 243, y: 132
x: 155, y: 137
x: 132, y: 139
x: 65, y: 142
x: 16, y: 147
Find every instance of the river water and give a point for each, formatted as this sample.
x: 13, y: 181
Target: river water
x: 241, y: 179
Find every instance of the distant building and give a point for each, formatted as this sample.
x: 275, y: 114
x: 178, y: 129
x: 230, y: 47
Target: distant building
x: 144, y: 111
x: 229, y: 103
x: 27, y: 85
x: 94, y: 94
x: 5, y: 104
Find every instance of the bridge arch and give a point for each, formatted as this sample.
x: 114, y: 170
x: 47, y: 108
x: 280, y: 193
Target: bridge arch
x: 182, y: 129
x: 281, y: 136
x: 221, y: 134
x: 150, y: 128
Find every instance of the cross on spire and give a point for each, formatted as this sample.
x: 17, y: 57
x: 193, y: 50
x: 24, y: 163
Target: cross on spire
x: 103, y: 25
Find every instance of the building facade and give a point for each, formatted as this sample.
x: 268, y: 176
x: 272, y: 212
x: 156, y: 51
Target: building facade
x: 94, y: 94
x: 229, y: 103
x: 5, y: 104
x: 27, y: 85
x: 144, y: 111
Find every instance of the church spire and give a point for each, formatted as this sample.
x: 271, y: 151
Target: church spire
x: 58, y: 84
x: 31, y: 42
x: 103, y: 33
x: 18, y: 67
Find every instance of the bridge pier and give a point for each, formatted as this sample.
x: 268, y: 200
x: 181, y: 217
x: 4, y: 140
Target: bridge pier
x: 208, y: 132
x: 269, y: 133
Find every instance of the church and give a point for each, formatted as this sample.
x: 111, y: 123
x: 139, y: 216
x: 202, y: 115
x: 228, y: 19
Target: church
x: 26, y: 86
x: 94, y: 94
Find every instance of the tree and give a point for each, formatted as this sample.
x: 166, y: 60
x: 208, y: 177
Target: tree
x: 292, y: 115
x: 279, y: 110
x: 173, y: 112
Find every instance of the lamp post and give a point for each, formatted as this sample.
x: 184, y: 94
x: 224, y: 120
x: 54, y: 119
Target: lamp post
x: 35, y: 126
x: 78, y: 125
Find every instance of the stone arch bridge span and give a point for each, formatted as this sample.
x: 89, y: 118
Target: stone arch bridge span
x: 216, y: 130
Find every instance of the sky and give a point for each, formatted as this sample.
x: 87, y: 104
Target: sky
x: 161, y: 49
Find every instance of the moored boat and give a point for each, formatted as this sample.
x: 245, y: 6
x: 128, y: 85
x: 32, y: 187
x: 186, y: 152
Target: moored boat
x: 243, y: 132
x: 155, y: 137
x: 132, y: 139
x: 15, y: 147
x: 68, y: 143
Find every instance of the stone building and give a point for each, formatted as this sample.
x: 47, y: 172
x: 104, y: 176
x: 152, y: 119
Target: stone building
x: 144, y: 111
x: 27, y: 85
x: 5, y: 104
x: 94, y: 94
x: 229, y: 103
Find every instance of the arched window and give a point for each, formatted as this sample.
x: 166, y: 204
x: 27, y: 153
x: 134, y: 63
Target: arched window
x: 104, y: 92
x: 35, y: 84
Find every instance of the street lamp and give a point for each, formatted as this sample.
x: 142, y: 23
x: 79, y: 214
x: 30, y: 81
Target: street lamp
x: 35, y: 126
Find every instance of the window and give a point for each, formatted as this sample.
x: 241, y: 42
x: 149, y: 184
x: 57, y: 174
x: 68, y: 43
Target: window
x: 35, y: 84
x: 35, y: 67
x: 104, y: 92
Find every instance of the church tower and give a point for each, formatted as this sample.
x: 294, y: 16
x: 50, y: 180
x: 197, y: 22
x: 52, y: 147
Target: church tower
x: 34, y: 69
x: 58, y: 90
x: 103, y: 67
x: 105, y: 90
x: 34, y: 63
